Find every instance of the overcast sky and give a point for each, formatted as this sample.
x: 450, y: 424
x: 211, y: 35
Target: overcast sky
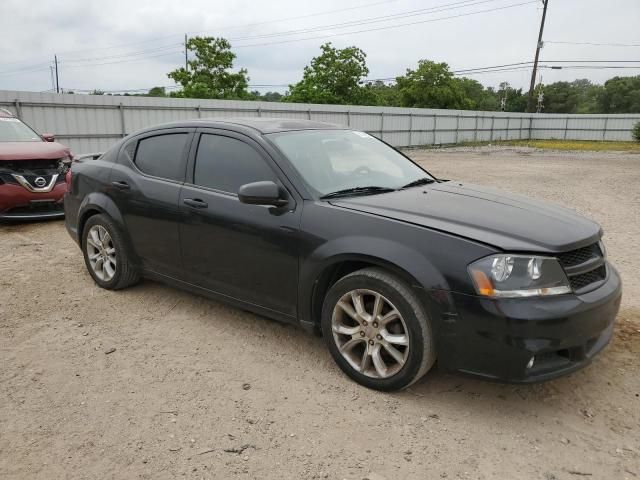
x: 132, y: 44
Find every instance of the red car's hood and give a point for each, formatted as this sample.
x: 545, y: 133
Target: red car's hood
x: 32, y: 150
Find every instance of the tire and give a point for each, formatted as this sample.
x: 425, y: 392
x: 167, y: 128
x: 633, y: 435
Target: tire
x: 119, y: 271
x: 360, y: 338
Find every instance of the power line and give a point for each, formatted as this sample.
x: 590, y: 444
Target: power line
x: 123, y: 55
x: 410, y: 13
x: 232, y: 27
x: 596, y: 44
x: 127, y: 61
x: 128, y: 57
x: 365, y: 21
x: 389, y: 26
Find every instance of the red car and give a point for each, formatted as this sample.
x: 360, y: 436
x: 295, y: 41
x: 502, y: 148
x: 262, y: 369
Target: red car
x: 32, y: 171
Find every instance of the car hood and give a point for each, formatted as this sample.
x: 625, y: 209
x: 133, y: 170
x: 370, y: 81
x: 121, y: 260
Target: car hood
x: 32, y: 150
x: 504, y: 220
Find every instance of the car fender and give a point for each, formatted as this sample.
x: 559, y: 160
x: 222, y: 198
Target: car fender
x: 100, y: 202
x: 391, y: 255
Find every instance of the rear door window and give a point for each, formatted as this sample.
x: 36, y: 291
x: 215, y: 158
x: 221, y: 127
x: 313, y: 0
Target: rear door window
x: 225, y: 163
x: 162, y: 155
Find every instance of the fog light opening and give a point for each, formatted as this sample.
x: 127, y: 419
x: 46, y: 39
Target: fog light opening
x: 530, y: 364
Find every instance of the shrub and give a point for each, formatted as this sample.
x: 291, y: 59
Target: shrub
x: 636, y: 132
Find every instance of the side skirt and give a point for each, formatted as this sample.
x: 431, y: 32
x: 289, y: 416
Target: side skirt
x: 241, y: 304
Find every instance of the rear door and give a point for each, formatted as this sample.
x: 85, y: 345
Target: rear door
x: 145, y: 184
x: 248, y: 252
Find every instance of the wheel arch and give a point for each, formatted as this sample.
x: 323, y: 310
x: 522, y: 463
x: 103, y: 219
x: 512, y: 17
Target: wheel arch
x: 98, y: 203
x: 94, y: 204
x: 341, y: 265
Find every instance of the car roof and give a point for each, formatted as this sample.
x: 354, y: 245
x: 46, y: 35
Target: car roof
x: 261, y: 125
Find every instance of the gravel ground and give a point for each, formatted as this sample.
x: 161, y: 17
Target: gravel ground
x: 196, y: 389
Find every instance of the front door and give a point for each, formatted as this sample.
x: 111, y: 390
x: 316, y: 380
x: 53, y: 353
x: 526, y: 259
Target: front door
x: 247, y: 252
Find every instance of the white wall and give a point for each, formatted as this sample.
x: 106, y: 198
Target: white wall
x: 91, y: 123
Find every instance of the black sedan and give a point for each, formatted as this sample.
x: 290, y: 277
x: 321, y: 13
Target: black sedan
x: 331, y: 228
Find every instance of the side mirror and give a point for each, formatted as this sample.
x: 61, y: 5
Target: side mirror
x: 48, y: 137
x: 262, y: 193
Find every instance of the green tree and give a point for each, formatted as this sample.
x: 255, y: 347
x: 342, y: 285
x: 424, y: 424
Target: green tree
x: 383, y: 94
x: 267, y: 96
x: 209, y: 74
x: 335, y: 76
x: 431, y: 85
x: 157, y: 92
x: 621, y: 95
x: 479, y: 97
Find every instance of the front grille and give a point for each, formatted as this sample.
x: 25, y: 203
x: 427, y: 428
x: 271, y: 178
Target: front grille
x: 583, y: 280
x: 30, y: 167
x: 585, y: 267
x: 581, y: 255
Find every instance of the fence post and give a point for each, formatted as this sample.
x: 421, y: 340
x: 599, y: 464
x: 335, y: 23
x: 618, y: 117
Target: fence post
x: 381, y: 125
x: 530, y: 126
x: 493, y: 119
x: 508, y: 122
x: 457, y: 128
x: 199, y: 111
x: 475, y: 129
x: 348, y: 118
x: 435, y: 121
x: 259, y: 112
x: 520, y: 130
x: 410, y: 129
x: 604, y: 130
x: 122, y: 123
x: 18, y: 108
x: 566, y: 127
x: 309, y: 114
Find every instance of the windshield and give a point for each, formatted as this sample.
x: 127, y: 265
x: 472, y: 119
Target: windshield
x: 13, y: 130
x: 335, y: 160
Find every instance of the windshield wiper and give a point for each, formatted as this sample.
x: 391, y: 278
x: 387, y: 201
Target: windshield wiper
x: 417, y: 183
x: 358, y: 191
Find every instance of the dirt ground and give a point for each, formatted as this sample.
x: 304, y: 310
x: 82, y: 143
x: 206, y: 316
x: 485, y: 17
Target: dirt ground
x: 197, y: 389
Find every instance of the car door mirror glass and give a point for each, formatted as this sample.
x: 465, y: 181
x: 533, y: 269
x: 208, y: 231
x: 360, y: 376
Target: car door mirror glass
x: 262, y: 193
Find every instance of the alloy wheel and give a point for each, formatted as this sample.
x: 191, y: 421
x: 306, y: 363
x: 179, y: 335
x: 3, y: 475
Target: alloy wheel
x: 370, y: 333
x: 101, y: 253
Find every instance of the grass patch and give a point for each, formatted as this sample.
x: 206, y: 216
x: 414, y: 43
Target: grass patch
x: 583, y: 145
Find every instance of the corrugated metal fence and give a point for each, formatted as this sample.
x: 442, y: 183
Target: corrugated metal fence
x: 89, y: 123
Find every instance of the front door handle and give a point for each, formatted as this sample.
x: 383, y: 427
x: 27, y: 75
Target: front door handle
x: 121, y: 185
x: 195, y: 203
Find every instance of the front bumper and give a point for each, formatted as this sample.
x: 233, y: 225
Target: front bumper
x: 496, y: 338
x: 17, y: 203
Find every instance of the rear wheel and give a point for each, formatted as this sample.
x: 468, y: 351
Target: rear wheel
x: 105, y: 254
x: 377, y: 330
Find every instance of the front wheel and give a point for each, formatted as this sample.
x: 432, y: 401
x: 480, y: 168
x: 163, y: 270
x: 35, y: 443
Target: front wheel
x: 377, y: 330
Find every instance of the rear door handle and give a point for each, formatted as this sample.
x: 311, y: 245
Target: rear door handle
x: 121, y: 185
x: 195, y: 203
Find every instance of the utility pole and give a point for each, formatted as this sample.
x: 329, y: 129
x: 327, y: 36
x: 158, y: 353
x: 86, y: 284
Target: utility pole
x: 55, y: 59
x: 186, y: 58
x: 535, y: 61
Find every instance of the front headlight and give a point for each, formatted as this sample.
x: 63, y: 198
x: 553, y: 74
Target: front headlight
x: 507, y: 275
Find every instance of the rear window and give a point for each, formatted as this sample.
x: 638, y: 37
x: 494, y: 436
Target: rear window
x: 161, y: 156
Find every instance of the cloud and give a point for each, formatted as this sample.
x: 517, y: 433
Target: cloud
x: 77, y: 29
